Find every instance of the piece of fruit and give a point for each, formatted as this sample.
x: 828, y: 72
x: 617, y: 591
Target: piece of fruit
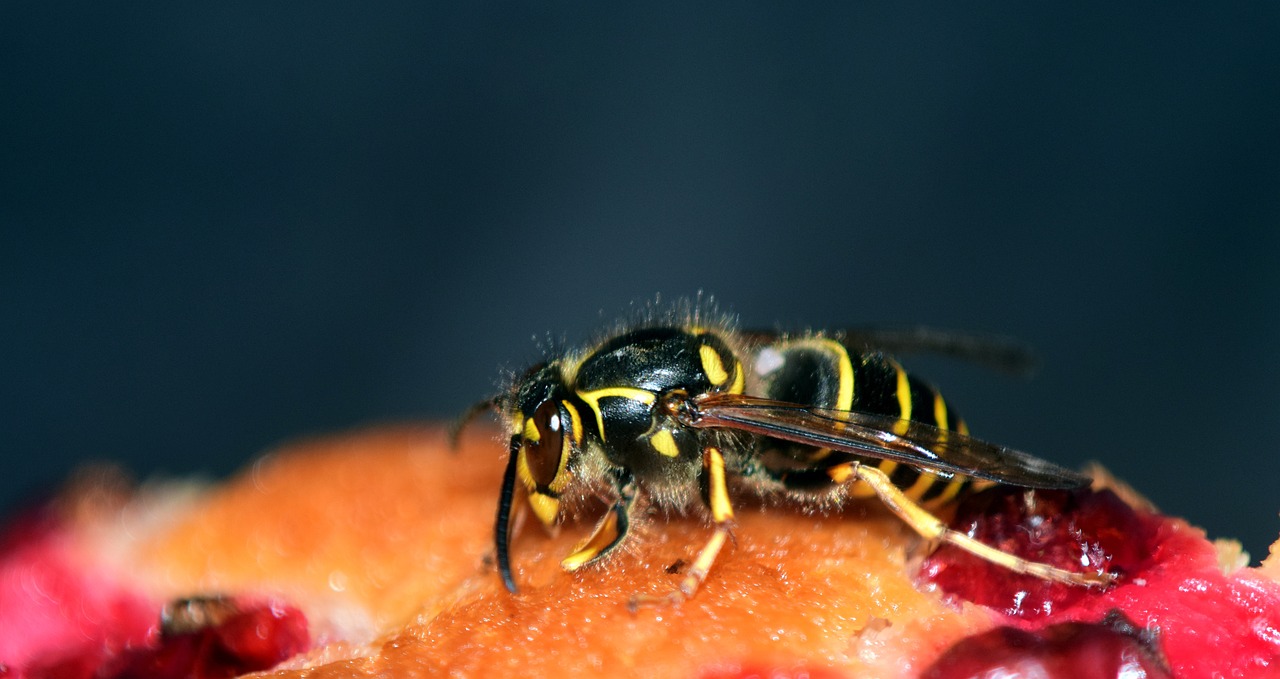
x: 369, y: 554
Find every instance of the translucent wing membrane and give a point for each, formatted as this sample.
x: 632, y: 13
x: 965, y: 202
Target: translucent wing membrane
x: 919, y: 445
x: 997, y: 352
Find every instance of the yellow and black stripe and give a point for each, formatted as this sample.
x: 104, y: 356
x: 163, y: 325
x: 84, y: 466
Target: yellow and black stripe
x: 826, y: 374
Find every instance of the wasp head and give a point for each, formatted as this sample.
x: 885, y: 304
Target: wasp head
x: 546, y: 433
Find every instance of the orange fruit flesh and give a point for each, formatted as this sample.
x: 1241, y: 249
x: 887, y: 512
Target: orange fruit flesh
x: 384, y: 538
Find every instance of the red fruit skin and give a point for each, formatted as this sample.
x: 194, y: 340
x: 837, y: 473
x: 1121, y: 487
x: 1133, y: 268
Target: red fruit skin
x: 1064, y: 529
x: 262, y: 637
x: 258, y: 637
x: 1064, y: 651
x: 1207, y: 623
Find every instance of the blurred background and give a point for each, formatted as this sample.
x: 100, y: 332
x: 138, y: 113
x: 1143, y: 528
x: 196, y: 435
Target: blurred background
x: 226, y: 226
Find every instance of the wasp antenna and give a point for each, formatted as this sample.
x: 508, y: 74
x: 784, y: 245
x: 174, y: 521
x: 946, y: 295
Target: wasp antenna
x: 476, y: 409
x: 502, y: 525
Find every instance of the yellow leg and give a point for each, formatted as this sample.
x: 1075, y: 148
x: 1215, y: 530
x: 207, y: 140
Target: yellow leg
x: 933, y: 528
x: 605, y: 536
x: 722, y: 514
x: 702, y: 565
x: 609, y: 532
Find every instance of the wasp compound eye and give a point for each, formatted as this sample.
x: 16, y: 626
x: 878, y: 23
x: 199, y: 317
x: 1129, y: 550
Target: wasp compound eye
x: 543, y: 449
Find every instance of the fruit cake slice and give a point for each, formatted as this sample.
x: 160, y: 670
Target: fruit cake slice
x: 370, y: 554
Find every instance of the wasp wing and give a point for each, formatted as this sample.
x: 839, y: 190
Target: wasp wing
x: 998, y: 352
x: 877, y: 436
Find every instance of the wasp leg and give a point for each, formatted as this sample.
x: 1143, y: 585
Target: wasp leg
x: 716, y: 495
x: 933, y: 528
x: 610, y: 531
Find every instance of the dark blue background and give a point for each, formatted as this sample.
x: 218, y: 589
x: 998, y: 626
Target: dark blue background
x: 225, y: 226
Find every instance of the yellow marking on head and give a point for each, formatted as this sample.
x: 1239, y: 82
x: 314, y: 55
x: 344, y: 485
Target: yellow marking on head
x: 592, y: 399
x: 665, y: 443
x: 517, y: 423
x: 575, y: 421
x: 721, y: 509
x: 561, y: 479
x: 545, y: 507
x: 940, y: 411
x: 531, y: 431
x: 712, y: 366
x: 525, y: 474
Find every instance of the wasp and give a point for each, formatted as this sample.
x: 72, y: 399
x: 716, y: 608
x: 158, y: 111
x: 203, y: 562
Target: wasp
x: 672, y: 413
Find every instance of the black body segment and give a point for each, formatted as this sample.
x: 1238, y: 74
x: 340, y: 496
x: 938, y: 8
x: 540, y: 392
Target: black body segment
x: 654, y: 359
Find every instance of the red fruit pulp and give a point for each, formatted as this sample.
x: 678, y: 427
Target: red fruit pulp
x: 1113, y: 649
x: 64, y: 617
x: 54, y: 604
x: 254, y: 638
x: 1081, y: 531
x: 752, y: 671
x: 1205, y: 622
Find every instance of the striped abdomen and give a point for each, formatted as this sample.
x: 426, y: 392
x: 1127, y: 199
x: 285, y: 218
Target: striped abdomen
x: 823, y: 373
